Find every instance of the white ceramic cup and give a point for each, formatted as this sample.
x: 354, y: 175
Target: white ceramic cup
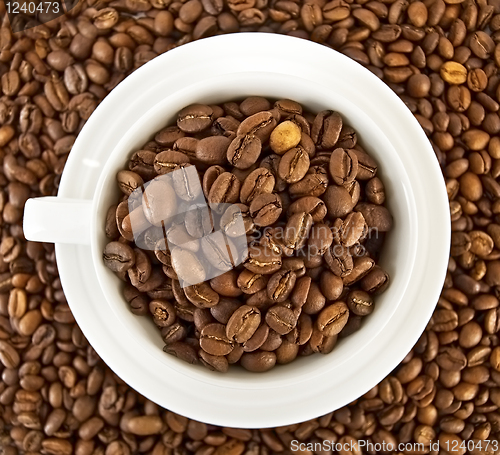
x: 215, y: 70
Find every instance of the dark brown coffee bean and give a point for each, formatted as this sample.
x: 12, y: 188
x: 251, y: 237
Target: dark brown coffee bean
x: 262, y: 260
x: 375, y: 281
x: 265, y: 209
x: 213, y: 340
x: 326, y: 129
x: 338, y: 201
x: 195, y: 118
x: 333, y: 318
x: 243, y: 324
x: 360, y: 302
x: 376, y: 216
x: 297, y: 230
x: 226, y: 284
x: 118, y: 257
x: 250, y: 282
x: 129, y: 181
x: 280, y: 285
x: 214, y: 362
x: 339, y: 260
x: 314, y: 183
x: 260, y: 125
x: 243, y: 151
x: 259, y: 181
x: 310, y: 205
x: 167, y: 160
x: 315, y: 300
x: 202, y: 295
x: 281, y: 319
x: 213, y: 149
x: 343, y: 166
x: 294, y: 165
x: 258, y: 361
x: 226, y: 189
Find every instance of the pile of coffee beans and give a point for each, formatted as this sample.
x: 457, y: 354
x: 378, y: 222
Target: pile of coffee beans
x: 308, y: 199
x: 441, y: 57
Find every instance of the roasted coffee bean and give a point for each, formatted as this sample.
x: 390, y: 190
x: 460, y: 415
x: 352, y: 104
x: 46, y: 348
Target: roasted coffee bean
x: 281, y: 319
x: 293, y: 165
x: 333, y: 318
x: 244, y: 150
x: 236, y: 220
x: 195, y: 118
x: 343, y: 166
x: 360, y: 302
x: 119, y: 257
x: 326, y: 129
x: 260, y: 181
x: 260, y: 125
x: 311, y: 205
x: 243, y: 323
x: 213, y: 340
x: 212, y: 149
x: 225, y: 189
x: 251, y: 282
x: 129, y: 181
x: 262, y: 260
x: 338, y: 201
x: 313, y: 184
x: 265, y: 209
x: 202, y: 295
x: 280, y: 285
x: 297, y: 230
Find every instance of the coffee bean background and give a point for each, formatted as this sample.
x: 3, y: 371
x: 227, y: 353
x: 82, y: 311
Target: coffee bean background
x: 442, y: 58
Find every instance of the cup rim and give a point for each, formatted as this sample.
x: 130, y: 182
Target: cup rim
x: 260, y: 41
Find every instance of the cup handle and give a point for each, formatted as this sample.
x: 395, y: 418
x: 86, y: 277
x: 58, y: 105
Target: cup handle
x: 57, y: 220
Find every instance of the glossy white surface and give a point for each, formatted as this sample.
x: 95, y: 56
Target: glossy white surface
x: 57, y: 219
x: 416, y: 254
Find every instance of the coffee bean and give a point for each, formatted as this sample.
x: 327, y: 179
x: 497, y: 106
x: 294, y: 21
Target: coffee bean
x: 326, y: 129
x: 262, y: 260
x: 338, y: 201
x: 119, y: 257
x: 225, y: 189
x: 213, y: 149
x: 260, y: 181
x: 194, y: 118
x: 213, y: 340
x: 260, y: 125
x: 293, y: 165
x: 243, y: 151
x: 258, y: 361
x: 360, y: 302
x: 343, y: 166
x: 280, y: 285
x: 284, y: 137
x: 243, y: 323
x: 281, y: 319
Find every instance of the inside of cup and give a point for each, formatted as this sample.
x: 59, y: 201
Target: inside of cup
x: 398, y: 254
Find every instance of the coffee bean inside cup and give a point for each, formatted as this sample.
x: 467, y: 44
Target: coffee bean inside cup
x: 250, y: 233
